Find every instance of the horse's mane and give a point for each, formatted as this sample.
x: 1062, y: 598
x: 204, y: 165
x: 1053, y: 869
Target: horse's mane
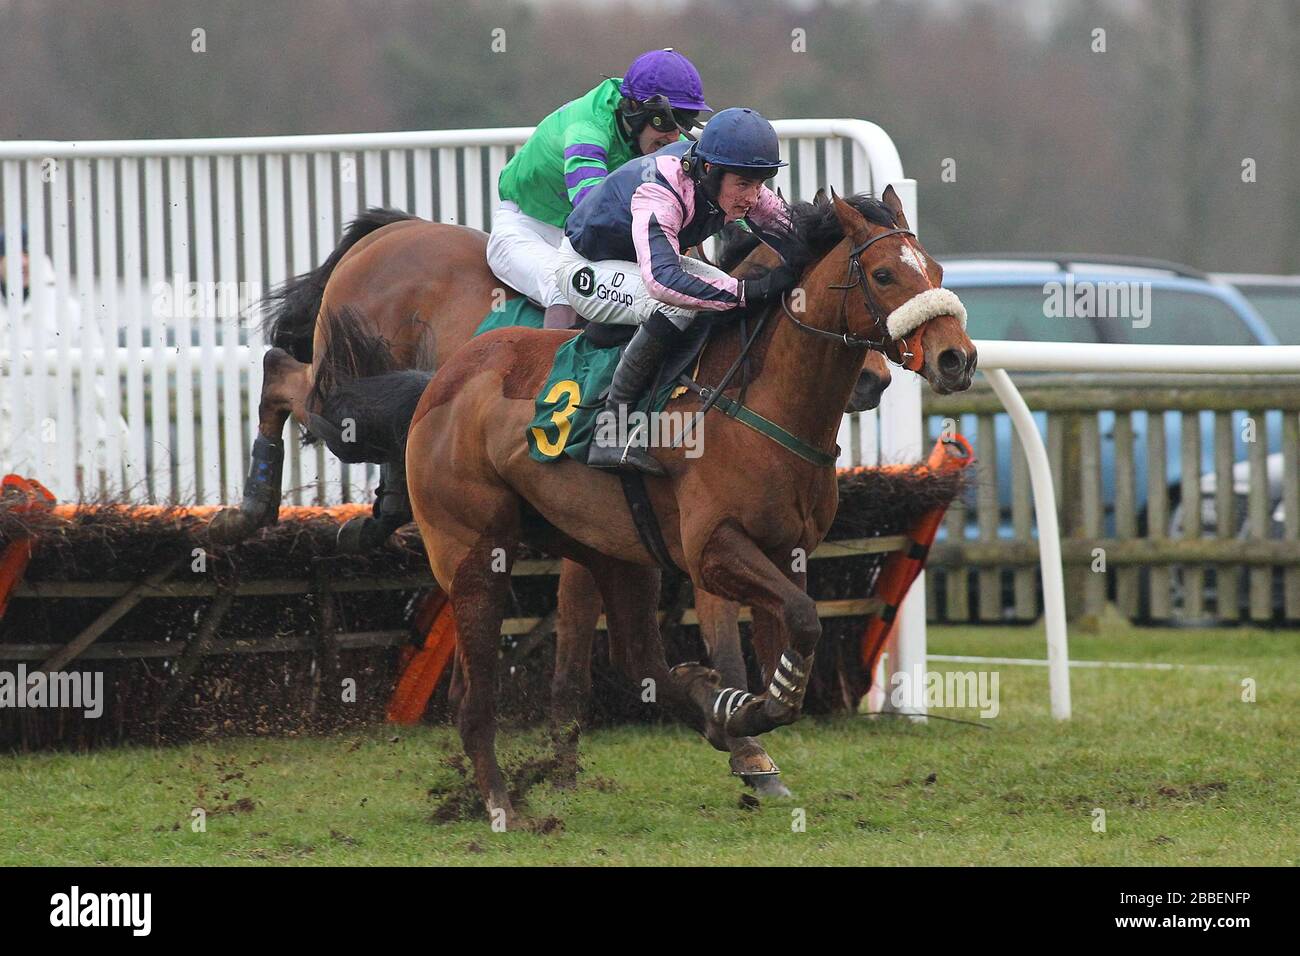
x: 814, y: 231
x: 734, y: 244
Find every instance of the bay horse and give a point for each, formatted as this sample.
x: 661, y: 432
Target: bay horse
x: 419, y: 290
x: 735, y: 518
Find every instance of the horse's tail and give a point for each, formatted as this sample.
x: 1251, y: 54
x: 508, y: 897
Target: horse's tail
x: 291, y: 307
x: 365, y: 400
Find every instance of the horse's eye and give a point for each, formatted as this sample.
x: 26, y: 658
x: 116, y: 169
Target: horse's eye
x: 883, y: 276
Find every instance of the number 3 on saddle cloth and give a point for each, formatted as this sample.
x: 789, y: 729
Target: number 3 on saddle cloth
x: 573, y: 393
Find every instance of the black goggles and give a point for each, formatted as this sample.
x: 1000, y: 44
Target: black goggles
x: 666, y: 119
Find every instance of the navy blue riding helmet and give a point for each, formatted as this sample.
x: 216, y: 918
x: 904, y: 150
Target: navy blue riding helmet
x: 740, y: 139
x: 737, y: 140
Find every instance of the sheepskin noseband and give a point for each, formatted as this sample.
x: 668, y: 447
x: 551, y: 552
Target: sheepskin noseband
x: 922, y: 307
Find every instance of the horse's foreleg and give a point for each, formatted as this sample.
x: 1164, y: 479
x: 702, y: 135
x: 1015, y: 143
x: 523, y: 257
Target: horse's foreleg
x: 631, y: 597
x: 631, y: 594
x: 577, y: 611
x: 285, y: 384
x: 733, y: 566
x: 769, y: 641
x: 456, y: 689
x: 720, y: 631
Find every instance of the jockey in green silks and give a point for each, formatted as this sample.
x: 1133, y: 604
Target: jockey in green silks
x: 572, y: 150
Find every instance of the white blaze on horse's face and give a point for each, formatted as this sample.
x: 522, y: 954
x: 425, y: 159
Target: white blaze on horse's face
x: 911, y: 257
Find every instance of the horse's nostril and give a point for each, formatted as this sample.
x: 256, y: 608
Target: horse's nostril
x: 952, y: 361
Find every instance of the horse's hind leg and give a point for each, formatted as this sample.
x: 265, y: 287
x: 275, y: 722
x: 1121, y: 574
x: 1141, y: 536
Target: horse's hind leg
x: 285, y: 385
x: 479, y: 589
x: 577, y: 610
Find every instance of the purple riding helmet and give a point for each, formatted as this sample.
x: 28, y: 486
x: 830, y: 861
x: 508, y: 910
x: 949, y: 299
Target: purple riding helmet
x: 664, y: 89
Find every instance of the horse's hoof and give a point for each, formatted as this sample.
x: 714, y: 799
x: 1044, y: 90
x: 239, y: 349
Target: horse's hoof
x: 753, y: 762
x: 230, y: 526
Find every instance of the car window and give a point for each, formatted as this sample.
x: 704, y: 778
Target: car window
x: 1280, y: 308
x: 1180, y: 317
x: 1019, y: 313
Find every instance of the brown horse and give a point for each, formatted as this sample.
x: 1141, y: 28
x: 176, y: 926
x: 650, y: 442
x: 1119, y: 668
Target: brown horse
x: 736, y: 518
x: 421, y: 289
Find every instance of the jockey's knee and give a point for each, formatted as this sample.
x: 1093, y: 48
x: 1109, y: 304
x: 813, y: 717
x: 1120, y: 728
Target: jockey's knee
x: 680, y: 318
x: 498, y: 251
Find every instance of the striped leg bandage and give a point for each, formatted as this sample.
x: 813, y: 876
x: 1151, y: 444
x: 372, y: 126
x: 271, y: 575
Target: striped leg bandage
x: 790, y: 681
x: 727, y: 701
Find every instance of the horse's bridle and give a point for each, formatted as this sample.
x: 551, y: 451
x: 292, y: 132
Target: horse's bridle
x: 913, y: 356
x: 857, y: 276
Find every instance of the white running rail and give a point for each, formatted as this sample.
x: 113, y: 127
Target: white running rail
x: 153, y: 249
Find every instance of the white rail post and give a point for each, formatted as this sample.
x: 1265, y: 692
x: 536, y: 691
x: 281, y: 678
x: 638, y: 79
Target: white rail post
x: 902, y: 437
x: 1049, y: 539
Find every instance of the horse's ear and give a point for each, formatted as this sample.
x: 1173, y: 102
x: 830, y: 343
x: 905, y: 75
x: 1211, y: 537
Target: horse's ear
x: 851, y: 221
x: 821, y: 198
x: 890, y: 199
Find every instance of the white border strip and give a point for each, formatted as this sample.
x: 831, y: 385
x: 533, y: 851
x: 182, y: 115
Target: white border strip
x: 1039, y: 662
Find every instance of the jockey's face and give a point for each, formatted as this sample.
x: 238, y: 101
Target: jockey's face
x: 651, y: 139
x: 737, y: 194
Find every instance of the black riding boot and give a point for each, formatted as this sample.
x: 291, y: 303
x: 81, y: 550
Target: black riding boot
x: 641, y: 359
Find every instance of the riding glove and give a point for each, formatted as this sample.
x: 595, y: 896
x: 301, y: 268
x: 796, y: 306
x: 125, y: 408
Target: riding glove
x: 778, y: 280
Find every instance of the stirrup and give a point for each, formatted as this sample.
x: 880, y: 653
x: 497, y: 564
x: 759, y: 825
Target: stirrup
x: 631, y: 457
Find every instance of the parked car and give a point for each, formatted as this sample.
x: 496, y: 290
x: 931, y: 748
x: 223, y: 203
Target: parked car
x: 1004, y: 296
x: 1007, y: 297
x: 1276, y: 298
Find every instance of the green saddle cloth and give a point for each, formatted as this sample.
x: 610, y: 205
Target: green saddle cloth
x: 515, y: 312
x: 581, y: 374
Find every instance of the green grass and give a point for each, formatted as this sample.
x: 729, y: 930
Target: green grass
x: 1186, y: 772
